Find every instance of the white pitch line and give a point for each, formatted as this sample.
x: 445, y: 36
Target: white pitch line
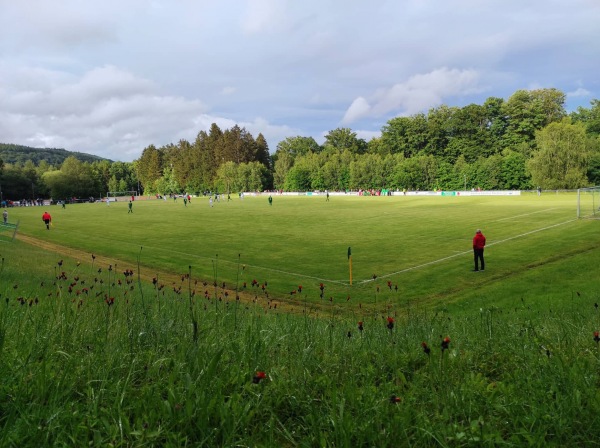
x: 412, y: 268
x: 526, y: 214
x: 222, y: 260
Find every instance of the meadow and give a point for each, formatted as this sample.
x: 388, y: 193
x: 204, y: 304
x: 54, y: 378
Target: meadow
x: 155, y: 341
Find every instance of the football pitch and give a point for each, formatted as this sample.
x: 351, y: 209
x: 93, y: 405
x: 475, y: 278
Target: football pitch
x: 416, y: 247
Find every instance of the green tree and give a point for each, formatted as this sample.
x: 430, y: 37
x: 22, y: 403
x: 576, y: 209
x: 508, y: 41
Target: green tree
x: 74, y: 179
x: 513, y: 174
x: 368, y: 172
x: 561, y: 160
x: 298, y: 178
x: 405, y: 135
x: 297, y: 146
x: 149, y: 168
x: 262, y: 151
x: 343, y: 138
x: 528, y: 111
x: 589, y: 117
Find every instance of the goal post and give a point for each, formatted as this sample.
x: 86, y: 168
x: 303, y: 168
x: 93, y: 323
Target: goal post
x: 121, y: 195
x: 588, y: 202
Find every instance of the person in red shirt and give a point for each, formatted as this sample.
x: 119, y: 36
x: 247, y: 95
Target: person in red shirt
x: 47, y: 219
x: 478, y: 245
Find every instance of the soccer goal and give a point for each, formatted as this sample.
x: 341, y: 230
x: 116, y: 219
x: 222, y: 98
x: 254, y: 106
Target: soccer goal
x: 120, y: 196
x: 588, y: 202
x: 8, y: 231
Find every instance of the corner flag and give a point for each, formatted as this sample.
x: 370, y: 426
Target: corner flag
x: 350, y: 263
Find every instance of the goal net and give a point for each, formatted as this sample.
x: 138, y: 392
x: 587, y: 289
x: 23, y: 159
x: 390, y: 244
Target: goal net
x: 119, y: 196
x: 588, y: 202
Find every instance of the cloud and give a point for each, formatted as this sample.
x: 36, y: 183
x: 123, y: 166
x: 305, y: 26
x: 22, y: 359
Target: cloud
x: 418, y: 93
x: 580, y: 92
x: 228, y: 90
x: 107, y: 111
x: 263, y: 15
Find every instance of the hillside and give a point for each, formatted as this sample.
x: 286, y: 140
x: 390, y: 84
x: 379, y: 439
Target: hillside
x: 11, y: 153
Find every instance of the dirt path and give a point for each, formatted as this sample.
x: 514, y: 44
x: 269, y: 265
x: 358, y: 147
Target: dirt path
x: 170, y: 278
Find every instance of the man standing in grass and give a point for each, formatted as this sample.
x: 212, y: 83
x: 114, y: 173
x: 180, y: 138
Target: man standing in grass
x: 5, y: 216
x: 47, y: 219
x: 130, y: 207
x: 478, y: 245
x: 270, y: 200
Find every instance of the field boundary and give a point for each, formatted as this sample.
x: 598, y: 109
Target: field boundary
x: 440, y: 260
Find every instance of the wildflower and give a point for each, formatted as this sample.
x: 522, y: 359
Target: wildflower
x: 300, y: 289
x: 390, y: 323
x: 394, y: 399
x: 110, y: 301
x: 374, y: 276
x: 349, y: 334
x: 321, y: 286
x: 445, y: 343
x: 596, y: 336
x: 60, y: 262
x: 360, y: 326
x: 258, y: 377
x: 426, y: 348
x: 389, y: 285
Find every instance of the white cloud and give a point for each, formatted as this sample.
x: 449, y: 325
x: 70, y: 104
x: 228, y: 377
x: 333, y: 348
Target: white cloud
x: 579, y: 92
x: 416, y: 94
x: 263, y: 15
x: 228, y: 90
x: 359, y: 108
x: 106, y: 111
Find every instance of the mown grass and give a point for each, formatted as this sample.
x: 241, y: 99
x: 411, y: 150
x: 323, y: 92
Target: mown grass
x: 169, y: 365
x: 422, y: 245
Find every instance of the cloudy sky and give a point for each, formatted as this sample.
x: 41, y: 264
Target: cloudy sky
x: 112, y: 77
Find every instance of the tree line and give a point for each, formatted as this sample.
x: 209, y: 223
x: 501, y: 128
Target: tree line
x: 524, y: 142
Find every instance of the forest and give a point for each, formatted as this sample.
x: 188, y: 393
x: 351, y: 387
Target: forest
x: 524, y: 142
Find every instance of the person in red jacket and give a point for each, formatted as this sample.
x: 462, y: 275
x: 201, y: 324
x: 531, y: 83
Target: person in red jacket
x: 47, y: 219
x: 478, y: 245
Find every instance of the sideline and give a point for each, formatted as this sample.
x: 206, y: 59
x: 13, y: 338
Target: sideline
x: 439, y: 260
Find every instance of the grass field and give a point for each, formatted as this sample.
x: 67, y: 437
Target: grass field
x: 422, y: 245
x: 91, y: 355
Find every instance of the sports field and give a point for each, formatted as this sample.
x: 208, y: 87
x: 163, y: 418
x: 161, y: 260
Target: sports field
x: 420, y: 244
x: 95, y: 354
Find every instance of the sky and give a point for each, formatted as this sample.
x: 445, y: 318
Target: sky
x: 111, y: 77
